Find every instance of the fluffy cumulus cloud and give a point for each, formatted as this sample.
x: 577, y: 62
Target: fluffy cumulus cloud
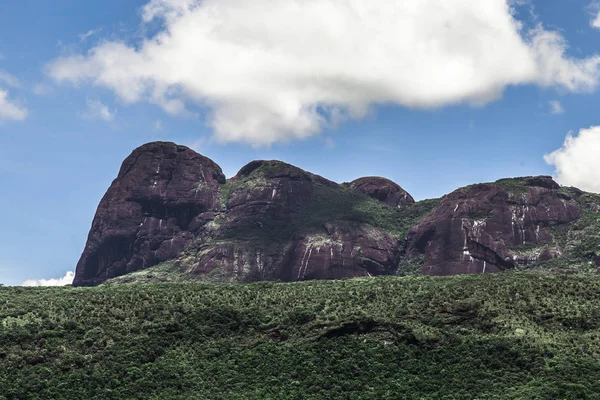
x: 65, y: 280
x: 272, y: 70
x: 577, y: 162
x: 97, y: 109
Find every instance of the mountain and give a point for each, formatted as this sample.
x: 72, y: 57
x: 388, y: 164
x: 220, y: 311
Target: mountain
x: 172, y: 215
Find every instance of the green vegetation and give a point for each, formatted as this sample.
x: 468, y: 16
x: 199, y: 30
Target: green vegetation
x: 578, y: 240
x: 329, y: 204
x: 497, y: 336
x: 161, y: 273
x: 514, y: 185
x: 224, y: 193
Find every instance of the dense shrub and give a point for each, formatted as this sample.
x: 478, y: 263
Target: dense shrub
x: 492, y: 336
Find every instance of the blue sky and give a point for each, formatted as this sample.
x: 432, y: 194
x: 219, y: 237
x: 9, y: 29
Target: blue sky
x: 84, y: 83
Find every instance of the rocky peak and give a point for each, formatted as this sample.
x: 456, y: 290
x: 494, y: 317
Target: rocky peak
x: 168, y: 198
x: 492, y: 227
x: 383, y: 190
x: 271, y: 189
x: 145, y: 216
x: 275, y: 221
x: 542, y: 181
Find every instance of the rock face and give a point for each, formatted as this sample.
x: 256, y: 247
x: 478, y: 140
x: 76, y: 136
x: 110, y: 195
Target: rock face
x: 167, y: 198
x: 148, y: 214
x: 384, y: 190
x: 274, y: 221
x: 344, y: 250
x: 271, y: 189
x: 487, y: 228
x: 341, y: 250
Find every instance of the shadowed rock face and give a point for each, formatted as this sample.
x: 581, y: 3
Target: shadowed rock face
x: 341, y: 250
x: 274, y: 221
x: 161, y: 191
x: 384, y: 190
x: 271, y: 189
x: 267, y: 192
x: 167, y: 197
x: 485, y: 228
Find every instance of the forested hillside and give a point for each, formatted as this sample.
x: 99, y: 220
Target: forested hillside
x: 489, y: 336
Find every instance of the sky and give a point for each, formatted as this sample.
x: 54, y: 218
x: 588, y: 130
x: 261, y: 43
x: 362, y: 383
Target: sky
x: 432, y: 94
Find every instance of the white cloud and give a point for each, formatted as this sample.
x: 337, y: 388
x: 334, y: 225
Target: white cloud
x: 577, y: 162
x: 556, y: 108
x: 41, y: 89
x: 10, y: 110
x: 595, y: 23
x: 9, y: 79
x: 158, y: 125
x: 198, y: 145
x: 97, y: 109
x: 65, y: 280
x: 91, y: 32
x: 554, y: 68
x: 302, y: 66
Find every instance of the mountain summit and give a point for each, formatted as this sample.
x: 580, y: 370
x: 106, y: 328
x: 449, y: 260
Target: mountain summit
x: 172, y: 214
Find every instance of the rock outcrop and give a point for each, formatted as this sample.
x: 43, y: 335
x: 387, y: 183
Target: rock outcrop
x: 271, y: 189
x: 384, y: 190
x: 491, y: 228
x: 275, y: 221
x: 343, y: 250
x: 161, y: 192
x: 167, y: 199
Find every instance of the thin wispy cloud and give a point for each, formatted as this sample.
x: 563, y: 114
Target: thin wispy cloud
x: 9, y: 79
x: 91, y: 32
x: 41, y: 89
x: 10, y: 109
x: 301, y: 67
x: 556, y: 108
x: 576, y: 162
x: 97, y: 109
x: 65, y: 280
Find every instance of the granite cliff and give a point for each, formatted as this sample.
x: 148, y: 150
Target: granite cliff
x: 171, y: 214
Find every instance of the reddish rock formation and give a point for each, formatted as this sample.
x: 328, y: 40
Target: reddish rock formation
x: 343, y: 250
x: 384, y: 190
x: 274, y: 221
x: 167, y: 197
x: 271, y: 189
x: 486, y: 228
x: 146, y: 216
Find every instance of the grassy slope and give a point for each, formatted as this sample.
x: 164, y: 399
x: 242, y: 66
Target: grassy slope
x: 488, y: 336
